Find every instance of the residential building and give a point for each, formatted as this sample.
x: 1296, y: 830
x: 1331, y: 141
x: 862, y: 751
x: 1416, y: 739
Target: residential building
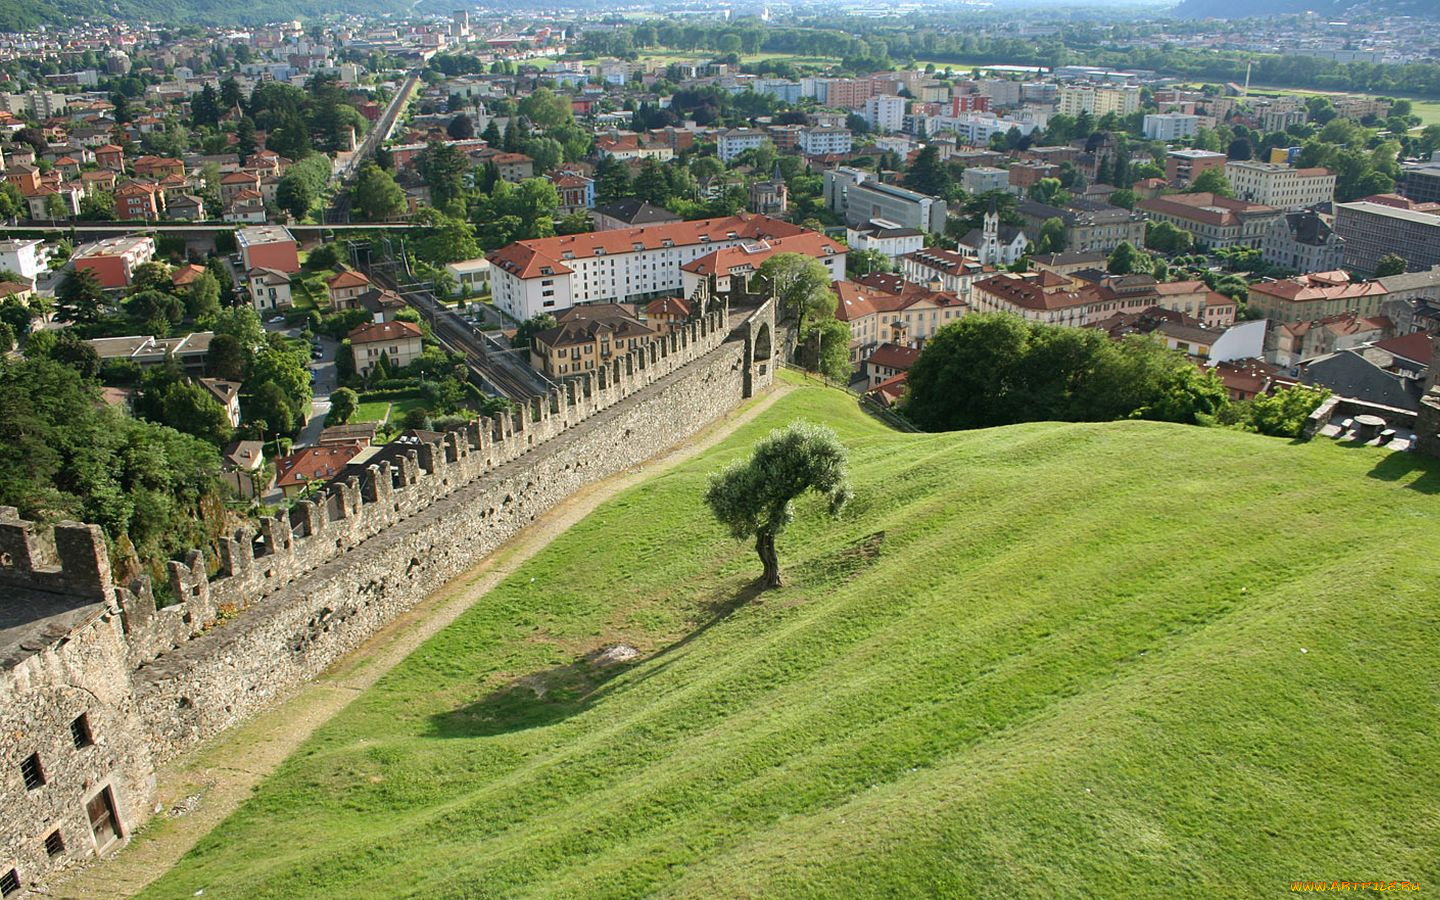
x: 1099, y: 101
x: 1372, y: 230
x: 630, y: 213
x: 769, y: 198
x: 944, y: 269
x: 736, y: 141
x: 344, y: 287
x: 113, y: 260
x: 227, y: 394
x: 885, y: 113
x: 1313, y: 296
x: 1212, y: 220
x: 191, y: 351
x: 1090, y: 226
x: 728, y: 271
x: 577, y: 193
x: 983, y: 179
x: 185, y: 207
x: 587, y: 337
x: 398, y: 342
x: 667, y: 314
x: 1182, y: 167
x: 623, y: 265
x: 818, y: 141
x: 110, y: 157
x: 1170, y: 126
x: 242, y: 466
x: 270, y: 246
x: 269, y: 289
x: 888, y: 309
x: 1303, y: 242
x: 139, y: 200
x: 157, y: 167
x: 884, y: 238
x: 296, y: 472
x: 887, y: 361
x: 1289, y: 343
x: 1280, y: 186
x: 26, y: 257
x: 233, y: 183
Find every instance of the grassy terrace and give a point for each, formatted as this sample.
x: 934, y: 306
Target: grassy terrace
x: 1042, y: 660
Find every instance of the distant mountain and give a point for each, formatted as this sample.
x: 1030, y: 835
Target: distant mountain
x: 1245, y: 9
x: 21, y: 15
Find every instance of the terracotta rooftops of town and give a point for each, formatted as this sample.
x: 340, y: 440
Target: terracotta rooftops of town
x: 1319, y: 286
x: 748, y: 257
x: 1417, y: 347
x: 1205, y: 207
x: 947, y: 261
x: 375, y: 332
x: 314, y: 463
x: 347, y: 278
x: 532, y: 258
x: 668, y: 306
x: 894, y: 356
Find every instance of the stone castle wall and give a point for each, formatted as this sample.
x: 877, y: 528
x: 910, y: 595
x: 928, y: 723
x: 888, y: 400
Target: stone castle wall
x: 304, y: 590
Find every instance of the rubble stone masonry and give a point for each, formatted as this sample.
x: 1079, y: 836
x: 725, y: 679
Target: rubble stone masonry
x: 295, y: 596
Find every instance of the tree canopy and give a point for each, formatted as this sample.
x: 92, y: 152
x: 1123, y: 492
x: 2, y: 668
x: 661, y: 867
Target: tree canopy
x: 755, y: 497
x: 994, y: 369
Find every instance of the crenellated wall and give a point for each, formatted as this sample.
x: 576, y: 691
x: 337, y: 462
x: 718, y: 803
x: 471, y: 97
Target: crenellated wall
x: 301, y: 591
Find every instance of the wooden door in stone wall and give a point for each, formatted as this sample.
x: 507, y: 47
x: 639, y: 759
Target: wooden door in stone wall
x: 101, y: 809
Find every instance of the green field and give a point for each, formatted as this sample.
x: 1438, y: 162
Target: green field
x: 1077, y: 660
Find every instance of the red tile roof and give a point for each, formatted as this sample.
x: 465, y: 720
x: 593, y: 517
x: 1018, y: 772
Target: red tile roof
x: 749, y: 257
x: 893, y: 356
x: 1417, y: 347
x: 375, y: 332
x: 314, y: 463
x: 525, y: 259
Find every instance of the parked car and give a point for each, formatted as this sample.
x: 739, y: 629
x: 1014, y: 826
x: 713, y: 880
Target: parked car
x: 276, y: 320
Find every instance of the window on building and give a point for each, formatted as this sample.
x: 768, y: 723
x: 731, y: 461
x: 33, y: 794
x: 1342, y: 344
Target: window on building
x: 80, y: 732
x: 33, y: 772
x: 54, y: 843
x: 9, y: 883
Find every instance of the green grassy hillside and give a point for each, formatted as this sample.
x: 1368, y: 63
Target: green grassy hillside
x: 1034, y: 661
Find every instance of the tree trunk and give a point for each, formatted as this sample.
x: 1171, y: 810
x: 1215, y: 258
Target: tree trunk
x: 765, y: 546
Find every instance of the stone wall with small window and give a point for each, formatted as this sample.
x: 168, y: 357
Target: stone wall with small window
x: 78, y: 774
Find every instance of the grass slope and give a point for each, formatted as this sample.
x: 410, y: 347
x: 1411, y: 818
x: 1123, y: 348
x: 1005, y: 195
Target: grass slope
x: 1083, y: 659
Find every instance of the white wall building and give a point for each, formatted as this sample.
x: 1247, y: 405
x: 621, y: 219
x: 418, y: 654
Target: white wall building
x: 25, y: 257
x: 885, y: 112
x: 552, y: 274
x: 1170, y: 126
x: 736, y: 141
x: 822, y: 141
x: 1280, y: 186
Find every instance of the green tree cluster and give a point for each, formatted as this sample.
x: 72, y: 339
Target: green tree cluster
x: 998, y: 369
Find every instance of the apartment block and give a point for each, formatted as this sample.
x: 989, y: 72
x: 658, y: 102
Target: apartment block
x: 1278, y: 185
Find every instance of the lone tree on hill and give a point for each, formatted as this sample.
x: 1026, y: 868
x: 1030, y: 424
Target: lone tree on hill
x: 755, y: 496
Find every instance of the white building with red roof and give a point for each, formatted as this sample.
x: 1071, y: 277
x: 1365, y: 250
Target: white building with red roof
x: 630, y: 264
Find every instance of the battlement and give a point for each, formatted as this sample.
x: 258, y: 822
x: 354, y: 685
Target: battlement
x: 72, y: 562
x: 255, y: 563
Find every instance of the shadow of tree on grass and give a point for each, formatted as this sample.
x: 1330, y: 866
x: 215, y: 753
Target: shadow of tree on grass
x: 555, y: 694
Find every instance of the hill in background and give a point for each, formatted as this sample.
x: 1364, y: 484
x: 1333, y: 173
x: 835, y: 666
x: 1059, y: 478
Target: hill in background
x: 1051, y: 659
x: 23, y: 15
x: 1244, y: 9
